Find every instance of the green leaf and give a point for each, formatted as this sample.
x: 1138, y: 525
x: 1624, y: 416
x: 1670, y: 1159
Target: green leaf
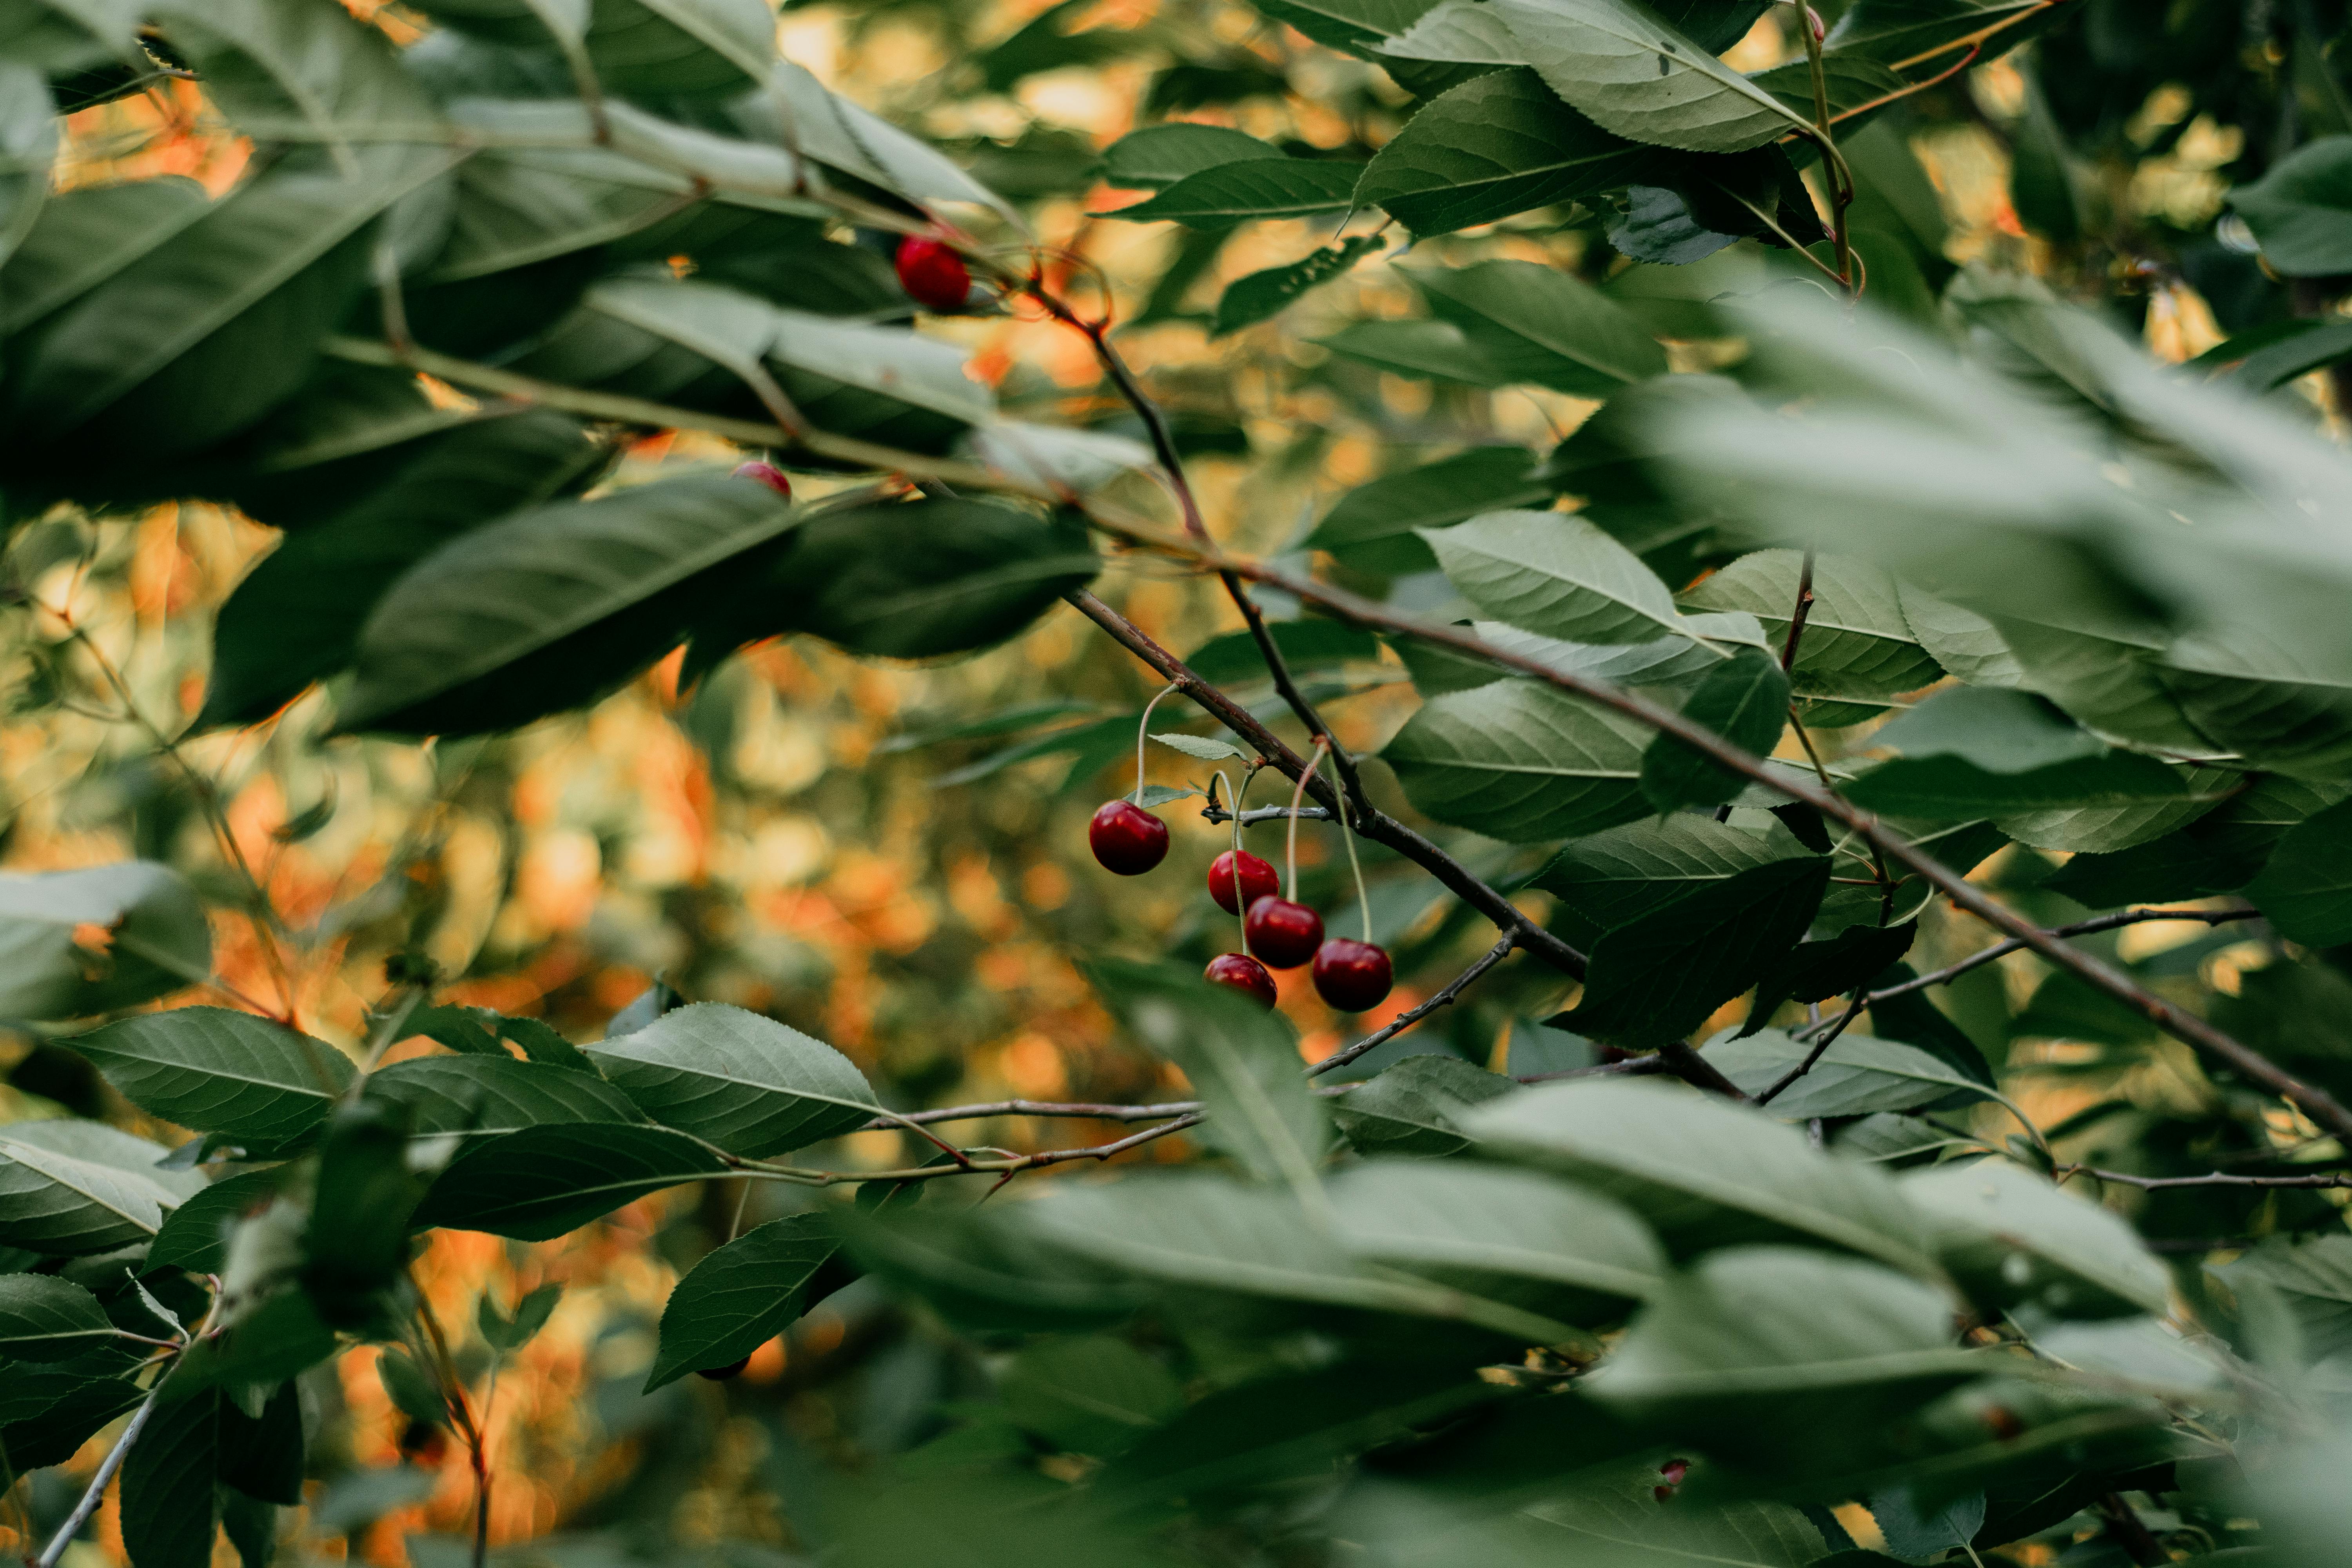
x: 1260, y: 296
x: 2011, y: 1239
x: 1459, y: 32
x: 1051, y: 455
x: 985, y: 1270
x: 1243, y: 1062
x: 1504, y: 1234
x: 1235, y: 658
x: 82, y: 1187
x: 2301, y: 209
x: 2266, y: 358
x: 1418, y: 350
x: 1201, y: 747
x: 1746, y: 702
x: 1556, y: 574
x: 1949, y: 789
x: 81, y: 238
x: 296, y: 618
x: 413, y: 1393
x: 2219, y: 852
x: 1660, y: 975
x: 1625, y: 67
x: 681, y: 48
x: 2306, y: 889
x: 267, y: 1341
x: 45, y: 1319
x: 1752, y: 1338
x: 925, y: 578
x: 157, y: 939
x: 1229, y: 193
x: 1856, y: 642
x: 356, y: 1240
x: 1089, y: 1395
x: 28, y: 144
x: 1694, y: 206
x: 1857, y: 1075
x: 485, y: 1096
x: 1631, y: 1531
x: 280, y: 68
x: 1520, y: 762
x: 1411, y: 1108
x: 2315, y: 1275
x: 1539, y: 324
x: 60, y: 35
x: 186, y: 345
x: 49, y: 1412
x: 515, y: 620
x: 739, y: 1296
x: 1498, y: 144
x: 213, y: 1070
x: 2127, y: 823
x: 1817, y: 971
x: 748, y: 1084
x: 1158, y: 156
x: 1703, y: 1172
x: 536, y: 1184
x: 261, y: 1455
x: 169, y: 1510
x: 1613, y: 879
x: 1902, y: 29
x: 1376, y: 527
x: 195, y: 1235
x: 1963, y: 642
x: 503, y: 1333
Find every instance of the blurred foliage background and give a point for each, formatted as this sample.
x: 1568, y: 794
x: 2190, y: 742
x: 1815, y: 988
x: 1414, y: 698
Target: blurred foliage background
x: 891, y: 857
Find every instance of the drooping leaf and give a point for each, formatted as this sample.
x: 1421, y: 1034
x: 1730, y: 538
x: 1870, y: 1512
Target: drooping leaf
x: 2301, y: 209
x: 1659, y: 975
x: 1411, y: 1108
x: 213, y: 1070
x: 538, y: 1183
x: 1556, y: 574
x: 355, y: 1241
x: 1498, y: 144
x: 301, y: 73
x: 195, y: 1235
x: 1817, y: 971
x: 1376, y: 527
x: 1520, y: 762
x: 1745, y: 702
x: 156, y: 939
x: 1702, y: 1172
x: 45, y: 1319
x: 1224, y: 194
x: 665, y: 49
x: 740, y: 1295
x: 749, y: 1084
x: 168, y: 1506
x: 82, y: 1187
x: 2011, y: 1238
x: 1636, y: 74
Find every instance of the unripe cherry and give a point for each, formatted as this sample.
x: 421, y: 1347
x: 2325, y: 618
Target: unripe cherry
x: 1283, y: 935
x: 1257, y: 880
x: 1239, y: 971
x: 1353, y: 976
x: 933, y: 275
x: 767, y: 474
x: 733, y: 1369
x: 1127, y: 838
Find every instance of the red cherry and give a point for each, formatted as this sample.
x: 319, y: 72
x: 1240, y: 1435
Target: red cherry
x: 1284, y: 934
x: 1239, y: 971
x: 1127, y: 838
x: 1257, y: 880
x: 767, y: 474
x: 1674, y: 1471
x: 733, y: 1369
x: 1352, y: 975
x: 934, y: 275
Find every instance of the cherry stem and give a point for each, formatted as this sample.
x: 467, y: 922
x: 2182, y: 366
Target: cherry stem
x: 1356, y: 866
x: 1299, y: 794
x: 1142, y: 733
x: 1241, y: 910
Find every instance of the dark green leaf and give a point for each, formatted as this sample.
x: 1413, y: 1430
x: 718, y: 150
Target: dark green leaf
x: 82, y: 237
x: 741, y: 1294
x: 2314, y: 1277
x: 1745, y: 702
x: 1949, y: 789
x: 1043, y: 43
x: 157, y: 939
x: 45, y: 1319
x: 1228, y: 194
x: 1690, y: 208
x: 59, y: 35
x: 681, y: 48
x: 1538, y: 324
x: 195, y: 1235
x: 82, y: 1187
x: 531, y: 1314
x: 1817, y: 971
x: 2301, y: 209
x: 1856, y: 642
x: 47, y: 1413
x: 1659, y: 975
x: 1235, y: 658
x: 1409, y: 1109
x: 1858, y: 1075
x: 1496, y: 146
x: 169, y: 1510
x: 365, y: 1192
x: 2306, y: 889
x: 746, y: 1083
x: 1614, y: 878
x: 538, y: 1183
x: 213, y: 1070
x: 1419, y: 350
x: 1556, y: 574
x: 2011, y: 1238
x: 1158, y: 156
x: 1263, y: 295
x: 1703, y: 1172
x: 1090, y: 1396
x: 986, y: 1270
x: 1623, y: 65
x: 1520, y: 762
x: 2268, y: 357
x: 1902, y: 29
x: 272, y: 1340
x: 303, y: 73
x: 483, y: 1096
x: 1376, y: 527
x: 251, y: 1526
x: 414, y: 1393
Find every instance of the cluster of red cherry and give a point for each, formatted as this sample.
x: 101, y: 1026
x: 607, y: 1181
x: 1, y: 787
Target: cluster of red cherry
x: 1350, y: 975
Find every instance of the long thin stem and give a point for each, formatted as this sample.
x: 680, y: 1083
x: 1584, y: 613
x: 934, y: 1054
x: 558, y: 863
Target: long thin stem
x: 1815, y: 1055
x: 1407, y: 1019
x: 96, y: 1490
x: 1142, y: 733
x: 2217, y: 1179
x: 1840, y: 183
x: 1290, y: 848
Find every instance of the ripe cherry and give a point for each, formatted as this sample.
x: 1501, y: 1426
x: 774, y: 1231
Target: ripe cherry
x: 1256, y: 877
x: 767, y: 474
x: 1283, y: 934
x: 1239, y: 971
x: 933, y: 275
x: 1352, y: 975
x: 1127, y: 838
x: 733, y: 1369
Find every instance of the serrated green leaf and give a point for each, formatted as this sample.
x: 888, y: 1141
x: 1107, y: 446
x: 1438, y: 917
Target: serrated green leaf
x: 746, y: 1083
x: 1260, y: 296
x: 1158, y: 156
x: 1556, y: 574
x: 195, y: 1235
x: 169, y: 1510
x: 1376, y: 527
x: 1201, y: 746
x: 45, y: 1319
x: 485, y: 1096
x: 681, y: 48
x: 1226, y: 195
x: 2306, y: 887
x: 283, y: 69
x: 1520, y: 762
x: 1746, y: 702
x: 81, y: 1186
x: 1613, y: 878
x: 1411, y: 1108
x: 740, y: 1295
x: 1625, y: 67
x: 1856, y: 642
x: 213, y: 1070
x: 1703, y: 1172
x: 1858, y: 1075
x: 1541, y: 325
x: 538, y: 1183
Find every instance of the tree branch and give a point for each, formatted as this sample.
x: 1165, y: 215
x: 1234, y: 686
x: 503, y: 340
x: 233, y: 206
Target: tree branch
x: 2217, y: 1179
x: 1815, y: 1055
x: 1406, y: 1020
x: 96, y: 1490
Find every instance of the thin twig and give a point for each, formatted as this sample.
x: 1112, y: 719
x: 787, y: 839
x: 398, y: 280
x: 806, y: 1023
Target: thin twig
x: 1406, y: 1020
x: 1215, y: 813
x: 96, y: 1490
x: 2131, y: 1533
x: 2217, y: 1179
x: 1827, y: 1040
x: 1681, y: 1059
